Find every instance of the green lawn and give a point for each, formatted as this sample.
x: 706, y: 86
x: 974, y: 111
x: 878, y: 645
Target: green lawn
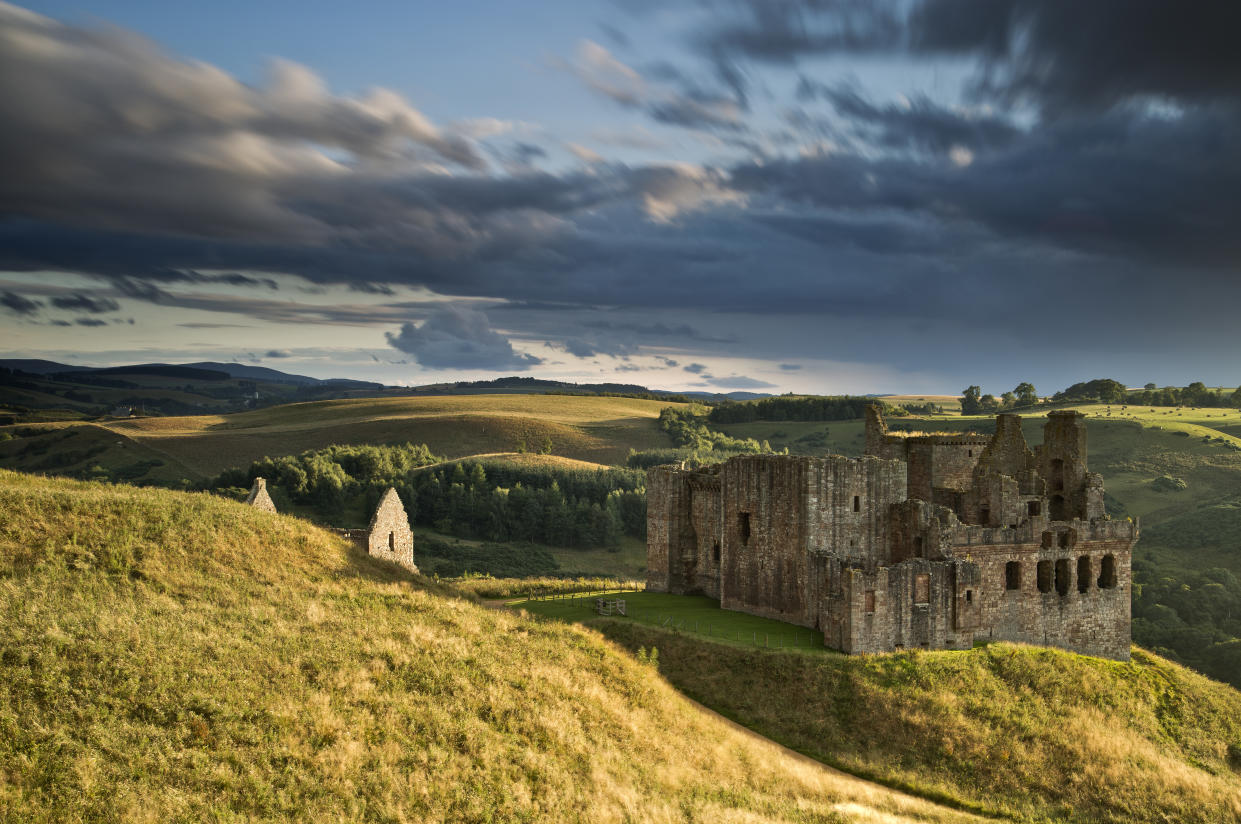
x: 692, y: 614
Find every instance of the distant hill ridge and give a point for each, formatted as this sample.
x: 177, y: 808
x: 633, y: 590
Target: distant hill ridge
x: 221, y: 371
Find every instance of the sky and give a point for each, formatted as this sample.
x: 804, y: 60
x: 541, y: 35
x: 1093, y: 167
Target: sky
x: 829, y: 196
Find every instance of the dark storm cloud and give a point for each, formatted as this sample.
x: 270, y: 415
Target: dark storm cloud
x: 1061, y: 54
x: 19, y: 305
x: 85, y: 303
x: 458, y: 337
x: 696, y: 368
x: 1124, y: 184
x: 922, y: 124
x: 924, y: 211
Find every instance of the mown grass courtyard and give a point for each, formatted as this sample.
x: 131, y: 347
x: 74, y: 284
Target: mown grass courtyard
x: 691, y: 614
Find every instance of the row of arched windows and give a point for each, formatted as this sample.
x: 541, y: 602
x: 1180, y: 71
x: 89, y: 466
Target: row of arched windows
x: 1058, y: 575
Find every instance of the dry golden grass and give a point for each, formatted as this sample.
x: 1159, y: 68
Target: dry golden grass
x: 593, y: 429
x: 1019, y: 732
x: 170, y: 656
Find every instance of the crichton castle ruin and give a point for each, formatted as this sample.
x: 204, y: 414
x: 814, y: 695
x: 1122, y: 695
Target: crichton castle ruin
x: 927, y: 541
x: 388, y: 536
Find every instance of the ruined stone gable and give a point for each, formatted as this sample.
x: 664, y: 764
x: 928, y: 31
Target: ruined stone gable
x: 258, y: 497
x: 389, y: 536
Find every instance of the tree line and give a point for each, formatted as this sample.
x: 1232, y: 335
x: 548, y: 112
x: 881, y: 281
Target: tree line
x: 491, y: 500
x: 1099, y: 390
x: 817, y: 408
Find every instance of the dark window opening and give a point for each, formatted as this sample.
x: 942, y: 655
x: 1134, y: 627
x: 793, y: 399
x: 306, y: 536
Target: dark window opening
x: 922, y: 588
x: 1044, y: 576
x: 1107, y: 572
x: 743, y: 527
x: 1083, y: 573
x: 971, y: 453
x: 1064, y: 539
x: 857, y: 503
x: 984, y: 516
x: 1057, y: 508
x: 870, y: 600
x: 969, y: 596
x: 392, y: 542
x: 917, y: 546
x: 1048, y: 538
x: 1064, y: 577
x: 1012, y: 575
x: 1057, y: 474
x: 715, y: 552
x: 1034, y: 508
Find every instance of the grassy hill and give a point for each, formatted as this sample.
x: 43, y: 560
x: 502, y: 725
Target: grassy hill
x: 593, y: 429
x: 1020, y: 733
x: 169, y: 656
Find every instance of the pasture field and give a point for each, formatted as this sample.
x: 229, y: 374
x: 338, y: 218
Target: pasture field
x: 593, y: 429
x: 176, y: 656
x: 692, y: 614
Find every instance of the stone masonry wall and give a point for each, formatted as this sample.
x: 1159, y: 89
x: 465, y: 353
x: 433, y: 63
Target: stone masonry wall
x: 258, y: 497
x: 390, y: 537
x: 912, y: 605
x: 1095, y: 621
x: 764, y: 560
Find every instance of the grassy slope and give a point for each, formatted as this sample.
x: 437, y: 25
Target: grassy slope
x: 169, y: 656
x: 600, y: 430
x: 1023, y: 732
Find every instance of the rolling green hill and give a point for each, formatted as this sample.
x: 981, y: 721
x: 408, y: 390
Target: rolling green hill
x: 598, y: 430
x: 173, y: 656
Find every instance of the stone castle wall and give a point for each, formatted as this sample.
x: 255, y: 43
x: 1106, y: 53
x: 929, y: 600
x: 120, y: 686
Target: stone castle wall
x: 1008, y: 544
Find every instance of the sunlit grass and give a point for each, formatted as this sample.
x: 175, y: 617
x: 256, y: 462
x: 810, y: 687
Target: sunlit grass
x: 1020, y: 732
x: 177, y: 657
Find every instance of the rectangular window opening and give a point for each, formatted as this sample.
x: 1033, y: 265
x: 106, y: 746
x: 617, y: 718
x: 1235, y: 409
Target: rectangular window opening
x: 857, y: 503
x: 1083, y: 574
x: 1034, y: 508
x: 869, y: 600
x: 1064, y: 577
x: 743, y: 527
x: 1012, y: 575
x: 1044, y: 576
x: 1107, y: 572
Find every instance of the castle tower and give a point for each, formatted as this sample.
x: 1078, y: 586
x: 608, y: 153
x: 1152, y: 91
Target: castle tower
x: 258, y: 497
x: 1063, y: 459
x: 389, y: 536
